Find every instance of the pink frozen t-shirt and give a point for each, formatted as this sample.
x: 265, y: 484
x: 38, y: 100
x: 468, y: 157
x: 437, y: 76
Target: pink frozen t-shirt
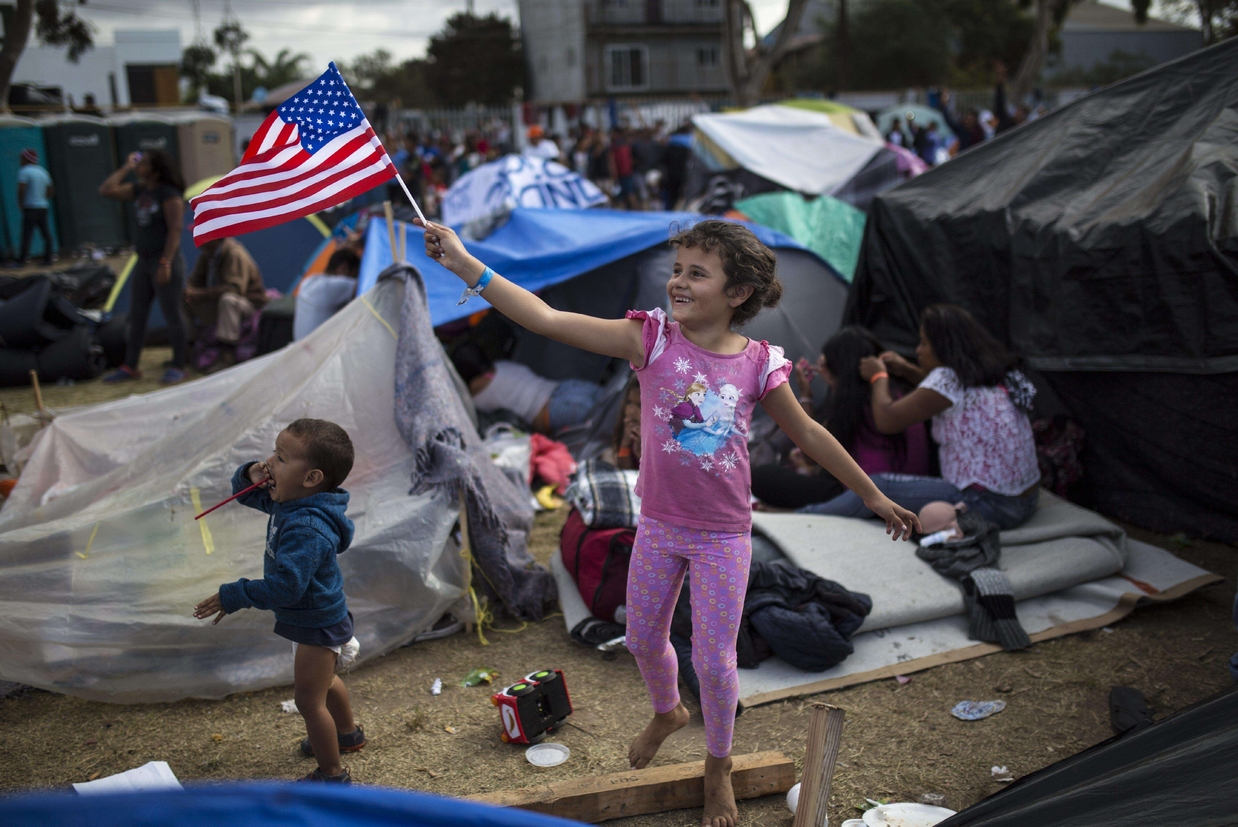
x: 696, y: 406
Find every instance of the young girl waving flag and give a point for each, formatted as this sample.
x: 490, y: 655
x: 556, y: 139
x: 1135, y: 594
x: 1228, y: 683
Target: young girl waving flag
x: 694, y: 481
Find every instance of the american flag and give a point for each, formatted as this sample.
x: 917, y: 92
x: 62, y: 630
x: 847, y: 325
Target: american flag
x: 314, y: 151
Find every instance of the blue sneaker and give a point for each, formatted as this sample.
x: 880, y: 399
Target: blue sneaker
x: 123, y: 374
x: 172, y: 376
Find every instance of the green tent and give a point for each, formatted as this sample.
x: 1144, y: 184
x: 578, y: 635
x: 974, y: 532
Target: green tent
x: 830, y: 228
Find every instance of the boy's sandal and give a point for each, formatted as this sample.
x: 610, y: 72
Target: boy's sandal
x: 351, y: 742
x: 344, y: 777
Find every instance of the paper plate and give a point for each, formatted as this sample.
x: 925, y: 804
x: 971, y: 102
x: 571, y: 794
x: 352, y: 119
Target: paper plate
x: 905, y: 814
x: 547, y: 755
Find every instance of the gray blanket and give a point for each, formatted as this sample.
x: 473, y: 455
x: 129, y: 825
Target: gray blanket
x: 450, y: 459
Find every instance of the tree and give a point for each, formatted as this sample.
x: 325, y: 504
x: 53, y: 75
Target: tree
x: 1218, y: 19
x: 54, y: 25
x: 196, y: 63
x: 379, y: 80
x: 285, y: 68
x: 230, y: 37
x: 476, y: 59
x: 749, y: 69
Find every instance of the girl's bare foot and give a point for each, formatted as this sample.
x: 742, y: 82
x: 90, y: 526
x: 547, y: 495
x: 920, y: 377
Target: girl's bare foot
x: 647, y: 744
x: 720, y: 809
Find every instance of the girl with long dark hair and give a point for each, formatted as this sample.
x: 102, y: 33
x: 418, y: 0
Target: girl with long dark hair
x: 158, y: 212
x: 979, y: 402
x: 847, y: 416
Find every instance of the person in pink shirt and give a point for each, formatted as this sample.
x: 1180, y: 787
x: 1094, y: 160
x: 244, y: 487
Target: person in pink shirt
x: 696, y: 517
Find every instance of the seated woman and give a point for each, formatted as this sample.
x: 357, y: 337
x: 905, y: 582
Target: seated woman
x: 848, y: 417
x: 548, y: 406
x: 979, y: 404
x: 624, y: 451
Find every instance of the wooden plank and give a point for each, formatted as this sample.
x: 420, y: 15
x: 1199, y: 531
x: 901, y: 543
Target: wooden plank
x: 825, y: 735
x: 651, y: 790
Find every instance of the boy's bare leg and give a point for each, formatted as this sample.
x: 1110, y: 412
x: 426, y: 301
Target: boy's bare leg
x: 647, y: 744
x: 313, y: 674
x: 340, y: 708
x: 720, y: 809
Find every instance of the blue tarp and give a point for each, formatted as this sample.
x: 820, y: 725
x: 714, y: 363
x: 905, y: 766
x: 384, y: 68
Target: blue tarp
x: 537, y: 248
x: 263, y: 805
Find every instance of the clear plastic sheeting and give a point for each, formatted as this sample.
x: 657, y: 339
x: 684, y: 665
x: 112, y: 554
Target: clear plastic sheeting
x: 101, y: 561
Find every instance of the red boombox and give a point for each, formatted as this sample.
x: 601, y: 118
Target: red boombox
x: 533, y: 707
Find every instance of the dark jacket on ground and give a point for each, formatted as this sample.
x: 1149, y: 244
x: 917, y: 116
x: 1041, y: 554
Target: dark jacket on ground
x: 301, y: 579
x: 790, y: 612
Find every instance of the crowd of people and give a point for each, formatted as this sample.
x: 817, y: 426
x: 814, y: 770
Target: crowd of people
x: 970, y: 127
x: 638, y: 168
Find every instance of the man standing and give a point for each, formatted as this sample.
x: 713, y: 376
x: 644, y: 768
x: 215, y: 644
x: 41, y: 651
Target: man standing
x: 34, y: 187
x: 225, y: 289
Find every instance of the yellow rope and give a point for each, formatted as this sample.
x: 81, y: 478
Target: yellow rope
x: 378, y: 316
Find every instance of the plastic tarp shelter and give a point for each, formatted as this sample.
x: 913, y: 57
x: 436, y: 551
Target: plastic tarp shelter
x: 101, y: 560
x: 1100, y: 242
x: 1181, y: 770
x: 800, y: 150
x: 265, y: 805
x: 830, y: 228
x: 517, y: 181
x: 846, y: 118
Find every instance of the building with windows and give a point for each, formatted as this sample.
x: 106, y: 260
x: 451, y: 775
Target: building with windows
x: 139, y: 68
x: 594, y: 49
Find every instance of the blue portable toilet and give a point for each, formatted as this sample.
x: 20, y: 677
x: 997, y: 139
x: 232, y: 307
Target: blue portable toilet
x: 17, y: 134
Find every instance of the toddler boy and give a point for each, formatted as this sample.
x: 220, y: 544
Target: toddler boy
x: 301, y: 579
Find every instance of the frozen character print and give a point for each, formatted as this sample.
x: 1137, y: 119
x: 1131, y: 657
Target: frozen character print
x: 718, y: 427
x: 687, y: 414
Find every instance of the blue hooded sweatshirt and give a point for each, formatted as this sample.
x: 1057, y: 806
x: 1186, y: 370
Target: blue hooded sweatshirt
x: 301, y: 579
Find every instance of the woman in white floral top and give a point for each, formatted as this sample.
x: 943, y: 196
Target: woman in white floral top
x: 979, y: 404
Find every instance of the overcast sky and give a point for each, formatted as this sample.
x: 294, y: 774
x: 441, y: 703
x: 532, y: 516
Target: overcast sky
x: 327, y: 29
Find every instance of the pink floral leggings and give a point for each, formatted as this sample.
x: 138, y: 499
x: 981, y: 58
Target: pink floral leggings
x: 718, y: 563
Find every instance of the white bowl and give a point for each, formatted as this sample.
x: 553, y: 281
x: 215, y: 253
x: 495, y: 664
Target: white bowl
x: 547, y: 755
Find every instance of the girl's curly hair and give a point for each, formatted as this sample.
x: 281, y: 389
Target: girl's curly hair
x: 745, y: 261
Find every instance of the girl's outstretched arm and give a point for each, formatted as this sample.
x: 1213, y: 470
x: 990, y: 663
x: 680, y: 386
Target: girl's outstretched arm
x: 820, y: 445
x: 611, y: 337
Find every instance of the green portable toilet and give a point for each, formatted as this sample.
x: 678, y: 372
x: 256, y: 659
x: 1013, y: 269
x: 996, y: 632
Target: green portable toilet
x: 80, y: 156
x: 142, y: 133
x: 17, y: 134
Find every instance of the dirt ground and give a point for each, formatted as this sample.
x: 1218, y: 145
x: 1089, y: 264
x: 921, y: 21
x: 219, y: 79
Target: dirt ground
x: 899, y: 743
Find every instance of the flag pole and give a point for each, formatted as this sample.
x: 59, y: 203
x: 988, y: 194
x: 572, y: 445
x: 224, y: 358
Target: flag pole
x: 411, y: 200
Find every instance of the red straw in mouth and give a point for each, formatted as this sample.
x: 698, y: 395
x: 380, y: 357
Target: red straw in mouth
x: 233, y: 497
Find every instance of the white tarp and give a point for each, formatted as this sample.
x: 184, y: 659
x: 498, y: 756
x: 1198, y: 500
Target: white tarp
x: 517, y: 181
x: 803, y: 151
x: 101, y: 561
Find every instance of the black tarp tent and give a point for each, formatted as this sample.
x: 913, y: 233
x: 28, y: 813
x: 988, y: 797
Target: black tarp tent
x: 1182, y: 770
x: 1100, y: 242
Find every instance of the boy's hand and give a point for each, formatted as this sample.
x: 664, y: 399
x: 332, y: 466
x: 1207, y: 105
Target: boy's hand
x: 208, y: 607
x: 900, y: 523
x: 259, y: 472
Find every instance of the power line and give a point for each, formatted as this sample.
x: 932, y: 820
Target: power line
x: 274, y: 26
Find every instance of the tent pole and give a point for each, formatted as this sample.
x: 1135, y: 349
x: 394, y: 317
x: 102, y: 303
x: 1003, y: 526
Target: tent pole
x: 390, y: 230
